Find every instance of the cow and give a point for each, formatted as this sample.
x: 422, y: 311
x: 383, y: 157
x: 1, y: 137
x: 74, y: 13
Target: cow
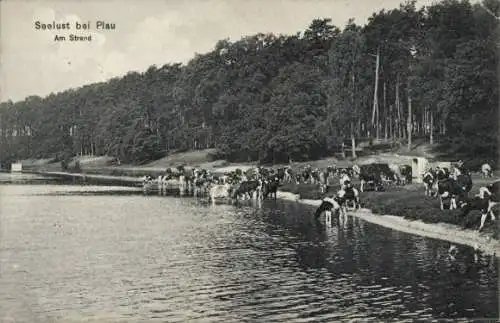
x: 344, y: 180
x: 331, y: 170
x: 322, y: 181
x: 288, y: 175
x: 406, y: 174
x: 477, y: 203
x: 247, y: 188
x: 356, y: 170
x: 217, y: 191
x: 147, y: 183
x: 329, y: 205
x: 306, y: 175
x: 370, y: 175
x: 315, y: 176
x: 270, y: 188
x: 492, y: 193
x: 442, y: 173
x: 451, y: 188
x: 458, y: 169
x: 200, y: 183
x: 401, y: 173
x: 349, y: 194
x: 486, y: 170
x: 280, y: 174
x: 429, y: 180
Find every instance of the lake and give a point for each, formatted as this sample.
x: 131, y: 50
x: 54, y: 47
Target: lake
x: 71, y: 253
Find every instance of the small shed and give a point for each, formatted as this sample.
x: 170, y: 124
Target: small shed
x: 418, y: 167
x: 16, y: 167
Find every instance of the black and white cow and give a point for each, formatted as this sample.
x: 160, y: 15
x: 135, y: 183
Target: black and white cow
x: 429, y: 179
x: 442, y: 173
x: 288, y: 174
x: 491, y: 193
x: 452, y: 189
x: 270, y: 187
x: 248, y: 188
x: 349, y: 194
x: 486, y: 170
x: 477, y: 203
x: 329, y: 205
x: 356, y: 170
x: 281, y: 174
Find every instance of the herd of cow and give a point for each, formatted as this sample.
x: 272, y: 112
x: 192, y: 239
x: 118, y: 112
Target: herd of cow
x: 456, y: 186
x: 262, y: 183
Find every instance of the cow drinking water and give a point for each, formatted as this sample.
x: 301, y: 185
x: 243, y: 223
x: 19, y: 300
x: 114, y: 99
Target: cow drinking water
x: 328, y: 205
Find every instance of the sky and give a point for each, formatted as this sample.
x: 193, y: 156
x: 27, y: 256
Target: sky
x: 147, y: 32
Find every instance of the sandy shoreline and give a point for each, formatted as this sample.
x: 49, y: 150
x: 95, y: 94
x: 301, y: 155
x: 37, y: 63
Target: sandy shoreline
x: 440, y: 231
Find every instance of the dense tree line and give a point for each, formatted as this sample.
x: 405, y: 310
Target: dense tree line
x: 428, y: 72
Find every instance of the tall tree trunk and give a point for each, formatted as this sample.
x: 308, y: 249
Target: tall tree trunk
x: 409, y: 123
x: 353, y: 141
x: 398, y: 108
x: 375, y: 97
x: 431, y: 135
x: 386, y: 128
x: 391, y: 118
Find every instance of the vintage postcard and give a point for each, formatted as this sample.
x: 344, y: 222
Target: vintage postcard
x: 249, y: 161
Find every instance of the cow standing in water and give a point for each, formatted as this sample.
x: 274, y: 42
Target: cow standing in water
x: 348, y: 194
x: 270, y: 187
x: 329, y: 205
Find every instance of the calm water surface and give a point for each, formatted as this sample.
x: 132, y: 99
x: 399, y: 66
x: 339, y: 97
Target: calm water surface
x: 88, y: 253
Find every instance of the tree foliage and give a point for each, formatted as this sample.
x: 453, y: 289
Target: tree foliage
x: 279, y: 97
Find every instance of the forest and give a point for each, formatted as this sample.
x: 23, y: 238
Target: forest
x: 429, y: 72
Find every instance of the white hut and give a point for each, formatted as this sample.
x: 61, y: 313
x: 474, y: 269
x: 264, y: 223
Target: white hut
x: 418, y: 168
x: 16, y: 167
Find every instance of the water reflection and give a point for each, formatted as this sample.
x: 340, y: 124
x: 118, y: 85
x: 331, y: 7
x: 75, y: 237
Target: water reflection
x: 67, y: 253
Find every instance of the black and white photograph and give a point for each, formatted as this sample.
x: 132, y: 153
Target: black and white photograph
x: 249, y: 161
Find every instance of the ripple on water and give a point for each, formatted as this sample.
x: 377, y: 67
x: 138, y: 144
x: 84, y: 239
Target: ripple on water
x: 145, y: 258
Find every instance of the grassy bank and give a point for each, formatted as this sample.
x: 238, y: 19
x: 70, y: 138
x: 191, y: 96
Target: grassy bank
x: 408, y: 202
